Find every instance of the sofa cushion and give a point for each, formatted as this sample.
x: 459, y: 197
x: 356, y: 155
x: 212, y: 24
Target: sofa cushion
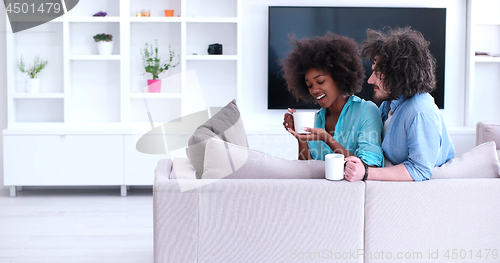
x: 226, y: 125
x: 480, y: 162
x: 421, y: 218
x: 276, y: 220
x: 227, y: 160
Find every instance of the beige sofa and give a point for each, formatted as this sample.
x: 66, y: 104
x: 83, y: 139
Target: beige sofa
x: 315, y: 220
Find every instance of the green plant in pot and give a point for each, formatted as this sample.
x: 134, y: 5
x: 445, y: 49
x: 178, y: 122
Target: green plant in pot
x: 104, y: 43
x: 32, y: 84
x: 152, y: 64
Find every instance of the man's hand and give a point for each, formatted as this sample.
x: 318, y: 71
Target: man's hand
x: 354, y: 169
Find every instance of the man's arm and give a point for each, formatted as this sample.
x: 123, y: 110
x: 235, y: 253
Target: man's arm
x: 355, y: 171
x: 424, y: 145
x: 424, y: 140
x: 394, y: 173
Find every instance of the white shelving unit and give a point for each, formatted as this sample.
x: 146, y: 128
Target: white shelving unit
x: 483, y: 72
x: 86, y: 97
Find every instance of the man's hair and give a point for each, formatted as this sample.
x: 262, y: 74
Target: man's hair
x: 337, y: 55
x: 404, y: 60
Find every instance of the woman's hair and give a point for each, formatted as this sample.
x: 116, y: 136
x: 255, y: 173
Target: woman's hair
x: 404, y: 60
x: 337, y: 55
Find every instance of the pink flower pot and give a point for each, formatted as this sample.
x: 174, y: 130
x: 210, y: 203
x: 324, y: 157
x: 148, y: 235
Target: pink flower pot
x: 154, y: 85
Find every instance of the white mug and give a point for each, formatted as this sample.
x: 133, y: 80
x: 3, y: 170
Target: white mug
x: 334, y: 166
x: 303, y: 119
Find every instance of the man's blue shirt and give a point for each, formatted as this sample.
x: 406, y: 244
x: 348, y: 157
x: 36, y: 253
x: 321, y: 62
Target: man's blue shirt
x: 416, y: 136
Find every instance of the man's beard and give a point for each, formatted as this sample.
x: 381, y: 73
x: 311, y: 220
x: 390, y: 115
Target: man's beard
x: 380, y: 96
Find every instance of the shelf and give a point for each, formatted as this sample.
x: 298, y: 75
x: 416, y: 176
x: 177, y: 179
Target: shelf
x: 62, y: 129
x: 94, y: 57
x: 211, y: 57
x: 488, y: 23
x: 212, y: 19
x: 78, y: 76
x: 57, y: 128
x: 138, y: 95
x: 486, y: 59
x: 42, y: 95
x: 156, y: 19
x: 94, y: 19
x: 36, y: 110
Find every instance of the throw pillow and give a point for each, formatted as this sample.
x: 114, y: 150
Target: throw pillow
x: 226, y: 125
x: 227, y: 160
x: 479, y: 162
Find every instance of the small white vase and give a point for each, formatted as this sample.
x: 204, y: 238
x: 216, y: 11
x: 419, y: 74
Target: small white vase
x: 32, y: 85
x: 105, y: 48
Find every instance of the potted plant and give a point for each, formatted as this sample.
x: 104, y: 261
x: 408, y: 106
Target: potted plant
x: 104, y: 43
x: 32, y: 84
x: 152, y: 64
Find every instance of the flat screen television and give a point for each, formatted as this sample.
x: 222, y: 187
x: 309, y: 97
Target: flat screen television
x: 308, y: 22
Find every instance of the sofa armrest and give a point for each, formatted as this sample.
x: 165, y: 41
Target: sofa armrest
x: 175, y: 216
x: 163, y: 169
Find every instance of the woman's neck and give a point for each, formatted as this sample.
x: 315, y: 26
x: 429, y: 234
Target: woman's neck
x: 338, y: 105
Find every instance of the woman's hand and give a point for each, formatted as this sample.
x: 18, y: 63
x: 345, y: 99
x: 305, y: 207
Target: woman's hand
x: 316, y: 134
x: 288, y: 120
x: 354, y: 169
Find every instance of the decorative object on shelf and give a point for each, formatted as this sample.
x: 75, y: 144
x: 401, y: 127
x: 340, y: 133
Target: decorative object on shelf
x: 215, y: 49
x: 104, y: 43
x: 152, y: 64
x: 100, y: 13
x: 138, y: 15
x: 485, y: 54
x: 145, y: 13
x: 32, y: 84
x: 169, y: 13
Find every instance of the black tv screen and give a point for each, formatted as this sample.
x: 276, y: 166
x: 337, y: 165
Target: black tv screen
x: 308, y: 22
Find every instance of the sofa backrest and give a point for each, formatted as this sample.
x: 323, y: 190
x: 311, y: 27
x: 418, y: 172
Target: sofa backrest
x: 488, y: 131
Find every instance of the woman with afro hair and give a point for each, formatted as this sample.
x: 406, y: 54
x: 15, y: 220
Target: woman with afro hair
x: 328, y: 70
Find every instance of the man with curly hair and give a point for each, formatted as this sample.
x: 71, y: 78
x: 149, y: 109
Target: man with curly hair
x: 328, y: 70
x: 415, y: 138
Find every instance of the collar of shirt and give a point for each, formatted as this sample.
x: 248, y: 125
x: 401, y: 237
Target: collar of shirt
x: 395, y: 103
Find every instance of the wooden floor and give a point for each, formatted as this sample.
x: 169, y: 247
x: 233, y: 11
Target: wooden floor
x: 76, y: 225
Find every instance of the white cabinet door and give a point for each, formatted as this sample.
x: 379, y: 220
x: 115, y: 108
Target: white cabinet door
x: 63, y: 160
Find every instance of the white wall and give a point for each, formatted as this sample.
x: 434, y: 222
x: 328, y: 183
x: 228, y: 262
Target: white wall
x: 3, y: 86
